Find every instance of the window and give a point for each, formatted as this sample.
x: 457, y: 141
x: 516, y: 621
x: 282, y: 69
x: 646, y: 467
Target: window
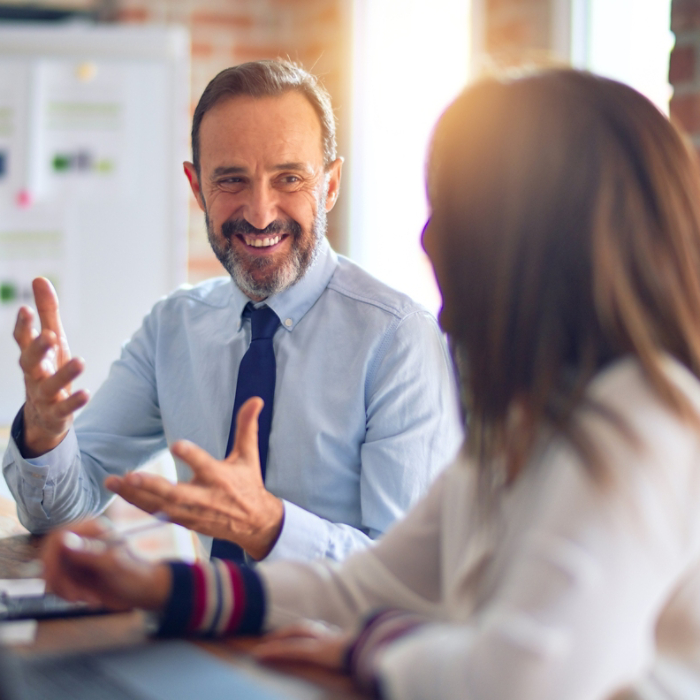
x: 410, y: 58
x: 628, y: 40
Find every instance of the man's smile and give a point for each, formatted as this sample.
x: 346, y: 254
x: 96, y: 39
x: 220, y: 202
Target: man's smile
x: 267, y: 242
x: 263, y: 241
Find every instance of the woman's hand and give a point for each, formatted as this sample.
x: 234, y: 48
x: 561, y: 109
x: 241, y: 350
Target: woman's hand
x: 82, y: 564
x: 308, y: 643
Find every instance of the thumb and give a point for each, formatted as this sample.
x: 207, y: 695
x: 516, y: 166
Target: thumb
x: 245, y: 444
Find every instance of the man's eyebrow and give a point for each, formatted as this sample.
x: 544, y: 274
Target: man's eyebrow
x: 228, y: 170
x: 224, y: 170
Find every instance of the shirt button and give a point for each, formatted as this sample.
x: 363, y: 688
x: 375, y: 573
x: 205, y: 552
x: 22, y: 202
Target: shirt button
x: 288, y: 322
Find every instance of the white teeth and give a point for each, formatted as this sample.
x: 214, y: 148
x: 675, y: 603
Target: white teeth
x: 262, y: 242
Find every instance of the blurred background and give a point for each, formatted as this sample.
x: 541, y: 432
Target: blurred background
x: 96, y: 98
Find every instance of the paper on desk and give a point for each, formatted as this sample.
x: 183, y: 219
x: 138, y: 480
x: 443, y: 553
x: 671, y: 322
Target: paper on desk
x: 18, y: 632
x: 14, y: 587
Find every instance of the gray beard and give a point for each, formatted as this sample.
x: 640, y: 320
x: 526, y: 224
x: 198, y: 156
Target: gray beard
x: 259, y: 278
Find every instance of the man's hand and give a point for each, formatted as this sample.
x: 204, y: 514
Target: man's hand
x: 82, y: 564
x: 48, y: 372
x: 225, y: 499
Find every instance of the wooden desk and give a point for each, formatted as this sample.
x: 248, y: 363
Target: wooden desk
x: 122, y: 629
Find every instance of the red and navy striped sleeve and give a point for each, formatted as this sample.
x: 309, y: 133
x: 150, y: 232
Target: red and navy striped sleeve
x: 213, y: 598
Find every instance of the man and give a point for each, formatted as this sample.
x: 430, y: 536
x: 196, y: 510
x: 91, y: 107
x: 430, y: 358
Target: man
x: 364, y: 414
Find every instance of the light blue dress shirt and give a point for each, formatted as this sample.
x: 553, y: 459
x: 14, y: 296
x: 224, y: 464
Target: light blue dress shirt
x: 365, y: 412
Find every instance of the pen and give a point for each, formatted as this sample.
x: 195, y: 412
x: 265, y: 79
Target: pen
x: 114, y: 537
x: 159, y: 519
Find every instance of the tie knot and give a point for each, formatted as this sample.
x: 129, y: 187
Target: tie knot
x: 263, y: 322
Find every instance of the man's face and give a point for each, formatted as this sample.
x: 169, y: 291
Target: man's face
x: 264, y: 189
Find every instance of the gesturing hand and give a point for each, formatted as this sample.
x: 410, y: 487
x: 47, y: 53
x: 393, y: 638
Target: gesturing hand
x: 48, y: 372
x: 225, y: 498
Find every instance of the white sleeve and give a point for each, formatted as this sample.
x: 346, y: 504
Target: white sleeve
x: 572, y: 613
x: 402, y: 570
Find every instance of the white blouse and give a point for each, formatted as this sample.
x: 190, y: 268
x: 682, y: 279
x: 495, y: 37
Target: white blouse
x: 565, y: 588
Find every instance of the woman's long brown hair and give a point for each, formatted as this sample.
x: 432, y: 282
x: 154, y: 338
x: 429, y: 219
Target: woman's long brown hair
x: 565, y: 210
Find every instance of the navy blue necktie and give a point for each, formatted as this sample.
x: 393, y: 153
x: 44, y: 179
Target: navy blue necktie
x: 256, y: 377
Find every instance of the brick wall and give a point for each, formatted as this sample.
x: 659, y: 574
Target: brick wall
x: 516, y: 31
x: 684, y: 71
x: 316, y: 34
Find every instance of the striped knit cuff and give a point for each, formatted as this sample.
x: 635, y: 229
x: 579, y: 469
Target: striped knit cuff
x: 381, y: 629
x: 213, y: 598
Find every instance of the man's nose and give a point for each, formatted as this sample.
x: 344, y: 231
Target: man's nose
x: 261, y: 208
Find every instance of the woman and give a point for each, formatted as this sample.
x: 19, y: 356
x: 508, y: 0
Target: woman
x: 556, y: 558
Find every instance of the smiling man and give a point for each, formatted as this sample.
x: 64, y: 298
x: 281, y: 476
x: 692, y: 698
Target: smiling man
x: 359, y: 410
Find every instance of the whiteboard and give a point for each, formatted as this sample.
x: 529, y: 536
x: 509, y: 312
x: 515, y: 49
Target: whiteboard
x: 94, y: 126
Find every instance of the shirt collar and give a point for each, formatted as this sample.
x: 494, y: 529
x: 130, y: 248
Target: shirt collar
x: 292, y: 304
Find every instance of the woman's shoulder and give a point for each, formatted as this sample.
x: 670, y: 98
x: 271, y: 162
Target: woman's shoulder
x: 627, y: 390
x: 638, y: 434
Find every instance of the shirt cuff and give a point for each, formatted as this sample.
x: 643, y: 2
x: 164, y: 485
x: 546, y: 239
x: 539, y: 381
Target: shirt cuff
x: 63, y: 451
x: 380, y: 630
x: 303, y: 536
x: 213, y: 598
x: 35, y: 470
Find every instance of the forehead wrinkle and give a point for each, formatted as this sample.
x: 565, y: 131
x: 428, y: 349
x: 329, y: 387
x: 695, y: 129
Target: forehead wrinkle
x: 291, y: 166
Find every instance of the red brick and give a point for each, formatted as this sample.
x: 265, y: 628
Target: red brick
x: 243, y: 53
x: 200, y: 49
x: 495, y: 6
x: 133, y: 14
x: 682, y: 65
x: 328, y: 15
x: 509, y: 35
x: 685, y: 111
x: 685, y: 14
x: 221, y: 19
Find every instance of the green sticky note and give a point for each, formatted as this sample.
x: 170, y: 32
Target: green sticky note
x: 8, y: 292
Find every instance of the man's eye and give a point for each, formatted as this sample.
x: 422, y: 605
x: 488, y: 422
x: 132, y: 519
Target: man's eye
x: 290, y: 179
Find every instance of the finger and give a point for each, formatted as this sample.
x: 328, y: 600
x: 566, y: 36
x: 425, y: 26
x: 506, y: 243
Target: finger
x: 307, y: 630
x: 66, y: 407
x: 51, y: 560
x: 24, y: 331
x: 204, y: 466
x: 299, y: 650
x: 183, y: 504
x: 138, y: 497
x: 245, y: 445
x: 86, y: 562
x: 62, y: 379
x: 38, y: 359
x: 60, y: 565
x: 94, y: 527
x: 46, y: 301
x: 291, y: 649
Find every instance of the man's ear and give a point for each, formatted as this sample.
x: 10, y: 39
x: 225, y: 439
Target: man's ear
x: 333, y: 177
x: 193, y: 179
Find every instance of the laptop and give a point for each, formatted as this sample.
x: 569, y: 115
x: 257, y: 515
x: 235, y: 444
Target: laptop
x: 162, y: 670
